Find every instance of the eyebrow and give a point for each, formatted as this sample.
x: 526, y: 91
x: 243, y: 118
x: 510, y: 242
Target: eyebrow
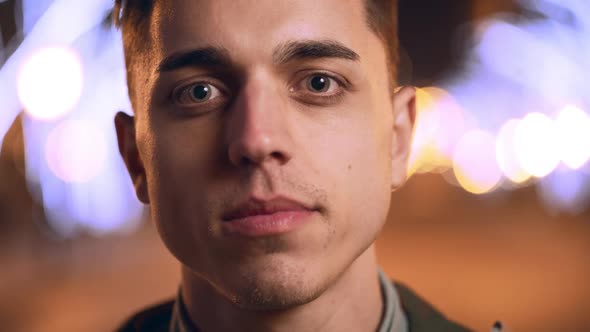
x: 312, y: 49
x: 287, y: 52
x: 201, y: 57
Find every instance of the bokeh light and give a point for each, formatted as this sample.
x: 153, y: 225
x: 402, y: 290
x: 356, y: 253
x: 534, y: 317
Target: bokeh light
x: 565, y: 191
x: 453, y: 123
x: 428, y: 153
x: 76, y: 151
x: 50, y: 82
x: 536, y: 144
x: 573, y: 127
x: 506, y: 154
x: 474, y: 162
x: 426, y: 124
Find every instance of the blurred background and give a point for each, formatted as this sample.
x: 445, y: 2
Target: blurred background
x: 493, y: 224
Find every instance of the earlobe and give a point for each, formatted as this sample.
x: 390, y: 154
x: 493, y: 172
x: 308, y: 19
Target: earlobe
x: 125, y: 127
x: 403, y: 126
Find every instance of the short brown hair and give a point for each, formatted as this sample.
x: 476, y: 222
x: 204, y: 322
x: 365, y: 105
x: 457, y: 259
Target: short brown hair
x: 134, y: 16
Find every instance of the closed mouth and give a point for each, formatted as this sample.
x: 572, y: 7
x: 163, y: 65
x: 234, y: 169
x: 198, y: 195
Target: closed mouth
x: 256, y: 207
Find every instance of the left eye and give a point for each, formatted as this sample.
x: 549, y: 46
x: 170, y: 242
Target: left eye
x: 197, y: 93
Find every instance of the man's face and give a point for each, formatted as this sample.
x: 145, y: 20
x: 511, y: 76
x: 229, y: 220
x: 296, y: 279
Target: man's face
x: 282, y: 100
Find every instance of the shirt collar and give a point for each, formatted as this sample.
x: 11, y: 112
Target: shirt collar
x: 393, y: 319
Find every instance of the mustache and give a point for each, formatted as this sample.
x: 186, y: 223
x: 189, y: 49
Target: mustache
x: 267, y: 184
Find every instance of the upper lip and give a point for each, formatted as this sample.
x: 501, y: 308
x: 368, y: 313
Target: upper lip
x: 253, y: 207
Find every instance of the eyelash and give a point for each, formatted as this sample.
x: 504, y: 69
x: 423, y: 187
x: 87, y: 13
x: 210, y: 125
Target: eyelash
x: 307, y: 97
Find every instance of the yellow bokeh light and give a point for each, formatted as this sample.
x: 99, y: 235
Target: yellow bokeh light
x: 76, y: 151
x: 506, y: 154
x: 474, y: 162
x: 50, y: 83
x: 536, y: 144
x: 425, y: 155
x: 573, y: 126
x: 427, y: 98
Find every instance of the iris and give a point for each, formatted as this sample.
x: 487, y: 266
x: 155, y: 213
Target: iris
x: 319, y: 84
x: 201, y: 92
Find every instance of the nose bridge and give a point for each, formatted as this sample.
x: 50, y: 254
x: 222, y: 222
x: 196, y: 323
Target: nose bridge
x: 260, y: 102
x: 258, y: 129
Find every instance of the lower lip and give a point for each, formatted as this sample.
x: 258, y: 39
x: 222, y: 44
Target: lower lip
x: 266, y: 224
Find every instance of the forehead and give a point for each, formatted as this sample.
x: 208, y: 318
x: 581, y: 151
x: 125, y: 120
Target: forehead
x: 250, y: 30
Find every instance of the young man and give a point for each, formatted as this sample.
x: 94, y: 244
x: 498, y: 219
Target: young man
x: 267, y: 139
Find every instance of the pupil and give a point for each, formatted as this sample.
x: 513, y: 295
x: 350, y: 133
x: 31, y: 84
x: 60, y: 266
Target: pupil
x: 319, y: 83
x: 201, y: 92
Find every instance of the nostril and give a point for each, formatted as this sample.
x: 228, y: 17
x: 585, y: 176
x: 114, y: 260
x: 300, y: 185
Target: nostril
x: 245, y: 161
x: 278, y: 155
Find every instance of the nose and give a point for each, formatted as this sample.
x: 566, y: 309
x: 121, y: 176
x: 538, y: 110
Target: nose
x: 258, y: 130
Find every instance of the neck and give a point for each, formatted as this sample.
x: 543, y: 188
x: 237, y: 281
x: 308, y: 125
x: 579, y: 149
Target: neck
x: 353, y: 302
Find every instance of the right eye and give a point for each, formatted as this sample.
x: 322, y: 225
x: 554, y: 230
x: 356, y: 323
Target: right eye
x: 196, y: 94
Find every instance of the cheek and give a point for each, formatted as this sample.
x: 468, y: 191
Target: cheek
x: 169, y: 171
x: 355, y: 163
x: 186, y: 170
x: 177, y: 164
x: 185, y: 154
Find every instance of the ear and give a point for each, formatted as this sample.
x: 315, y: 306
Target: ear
x: 404, y: 105
x: 125, y: 126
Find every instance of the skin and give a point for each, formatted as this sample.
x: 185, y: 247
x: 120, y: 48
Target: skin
x: 265, y: 133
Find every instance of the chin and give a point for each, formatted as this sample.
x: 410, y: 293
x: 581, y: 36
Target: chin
x: 273, y: 285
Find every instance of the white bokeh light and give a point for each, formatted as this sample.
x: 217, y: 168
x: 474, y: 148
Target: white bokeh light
x: 76, y: 151
x: 506, y: 154
x: 50, y: 82
x: 573, y: 127
x: 536, y: 144
x: 474, y: 162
